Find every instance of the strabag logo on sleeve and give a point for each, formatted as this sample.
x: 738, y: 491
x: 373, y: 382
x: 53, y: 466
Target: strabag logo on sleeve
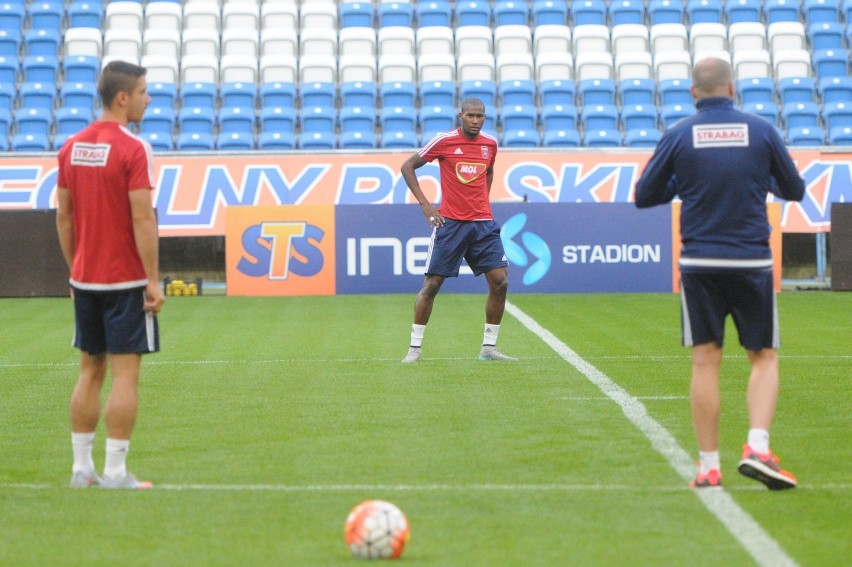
x: 90, y: 155
x: 719, y: 135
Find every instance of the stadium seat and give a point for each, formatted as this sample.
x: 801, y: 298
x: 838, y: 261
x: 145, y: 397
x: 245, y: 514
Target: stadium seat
x: 671, y: 113
x: 433, y: 13
x: 40, y: 68
x: 840, y: 136
x: 486, y: 91
x: 670, y: 37
x: 399, y: 140
x: 825, y: 35
x: 630, y: 38
x: 642, y: 138
x: 549, y: 12
x: 602, y: 139
x: 201, y: 16
x: 399, y: 40
x: 791, y: 63
x: 42, y: 42
x: 739, y: 11
x: 637, y: 91
x: 751, y: 63
x: 158, y: 119
x: 438, y: 93
x: 805, y: 136
x: 318, y: 41
x: 58, y: 140
x: 33, y: 120
x: 10, y: 43
x: 234, y: 141
x: 357, y: 41
x: 198, y: 95
x: 318, y: 69
x: 708, y: 36
x: 195, y: 142
x: 398, y: 119
x: 511, y: 13
x: 239, y: 94
x: 746, y: 36
x: 672, y: 65
x: 80, y: 95
x: 475, y: 67
x: 356, y: 14
x: 278, y: 69
x: 831, y: 62
x: 835, y: 89
x: 554, y: 67
x: 318, y: 94
x: 473, y: 13
x: 358, y: 67
x: 639, y: 117
x: 277, y: 94
x: 665, y: 12
x: 399, y: 93
x: 521, y: 138
x: 200, y: 69
x: 767, y: 110
x: 600, y: 117
x: 796, y: 89
x: 437, y: 118
x: 162, y: 94
x: 704, y: 11
x: 358, y: 140
x: 37, y: 94
x: 634, y: 65
x: 357, y: 119
x: 596, y: 91
x: 85, y: 14
x: 436, y: 67
x: 626, y: 12
x: 162, y: 42
x: 756, y: 89
x: 781, y: 11
x: 124, y: 44
x: 591, y: 66
x: 236, y: 15
x: 161, y: 69
x: 9, y: 69
x: 512, y: 39
x: 283, y: 140
x: 70, y: 120
x: 800, y: 115
x: 517, y: 92
x: 519, y: 117
x: 395, y: 14
x: 358, y: 93
x: 12, y: 16
x: 81, y: 68
x: 590, y: 39
x: 8, y: 94
x: 124, y: 15
x: 557, y: 92
x: 552, y: 39
x: 818, y: 11
x: 196, y: 120
x: 400, y: 68
x: 279, y: 42
x: 474, y: 39
x: 837, y: 115
x: 200, y: 42
x: 555, y: 117
x: 166, y: 16
x: 318, y: 119
x: 280, y: 16
x: 786, y: 35
x: 236, y: 119
x: 561, y: 139
x: 30, y: 142
x: 277, y: 119
x: 240, y: 42
x: 588, y: 12
x: 431, y: 40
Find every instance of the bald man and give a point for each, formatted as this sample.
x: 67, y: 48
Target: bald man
x: 722, y: 164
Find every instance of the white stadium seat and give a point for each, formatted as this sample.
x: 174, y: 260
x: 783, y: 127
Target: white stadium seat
x: 627, y: 38
x: 634, y: 65
x: 475, y: 67
x: 397, y: 69
x: 83, y: 41
x: 435, y: 39
x: 357, y: 41
x: 672, y: 65
x: 474, y: 39
x: 515, y: 67
x: 277, y: 68
x: 554, y: 66
x: 163, y: 41
x: 396, y: 40
x: 279, y: 41
x: 592, y: 65
x: 669, y: 37
x: 752, y: 63
x: 591, y: 38
x: 512, y: 39
x: 551, y: 38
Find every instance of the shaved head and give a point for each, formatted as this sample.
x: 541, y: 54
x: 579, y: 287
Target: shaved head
x: 712, y: 77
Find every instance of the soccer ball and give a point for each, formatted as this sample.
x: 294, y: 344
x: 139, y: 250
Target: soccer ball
x: 376, y: 529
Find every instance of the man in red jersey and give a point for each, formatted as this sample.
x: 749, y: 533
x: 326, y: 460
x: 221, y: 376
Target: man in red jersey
x: 464, y: 226
x: 108, y: 235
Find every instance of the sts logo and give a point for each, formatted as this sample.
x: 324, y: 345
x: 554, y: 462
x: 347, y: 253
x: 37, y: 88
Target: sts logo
x: 539, y: 263
x: 286, y: 250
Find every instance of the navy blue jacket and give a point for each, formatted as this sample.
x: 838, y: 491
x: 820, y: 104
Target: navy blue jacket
x: 722, y: 163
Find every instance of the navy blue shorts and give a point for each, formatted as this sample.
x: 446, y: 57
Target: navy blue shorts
x: 114, y: 322
x: 747, y: 295
x: 478, y: 242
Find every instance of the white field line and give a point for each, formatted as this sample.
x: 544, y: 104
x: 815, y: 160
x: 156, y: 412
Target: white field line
x: 759, y: 544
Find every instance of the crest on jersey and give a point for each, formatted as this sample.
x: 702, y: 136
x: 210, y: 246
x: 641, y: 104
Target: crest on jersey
x: 484, y: 152
x: 467, y: 171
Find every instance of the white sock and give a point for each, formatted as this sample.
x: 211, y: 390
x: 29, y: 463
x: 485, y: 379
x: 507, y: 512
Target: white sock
x: 81, y: 444
x: 417, y: 335
x: 758, y: 439
x: 490, y: 336
x: 116, y: 457
x: 708, y: 460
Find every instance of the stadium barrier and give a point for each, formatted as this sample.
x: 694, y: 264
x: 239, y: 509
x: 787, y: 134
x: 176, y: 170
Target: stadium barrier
x: 841, y: 249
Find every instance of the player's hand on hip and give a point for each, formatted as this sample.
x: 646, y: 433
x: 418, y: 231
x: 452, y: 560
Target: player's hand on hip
x: 433, y: 217
x: 154, y: 298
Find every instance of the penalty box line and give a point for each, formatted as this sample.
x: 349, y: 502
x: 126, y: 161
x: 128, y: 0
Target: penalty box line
x: 754, y: 539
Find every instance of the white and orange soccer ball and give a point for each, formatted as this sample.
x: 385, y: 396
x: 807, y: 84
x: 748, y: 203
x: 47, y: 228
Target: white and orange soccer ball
x: 376, y: 529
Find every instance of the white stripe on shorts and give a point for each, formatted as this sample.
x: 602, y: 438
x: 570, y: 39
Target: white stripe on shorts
x: 431, y: 246
x: 687, y: 326
x: 149, y: 325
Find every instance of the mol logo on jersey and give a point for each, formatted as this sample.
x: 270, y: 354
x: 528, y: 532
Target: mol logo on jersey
x: 466, y: 172
x: 280, y: 250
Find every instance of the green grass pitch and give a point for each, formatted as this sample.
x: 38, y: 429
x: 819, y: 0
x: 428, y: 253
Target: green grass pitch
x: 263, y: 421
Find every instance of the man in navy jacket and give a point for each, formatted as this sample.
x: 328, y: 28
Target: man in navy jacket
x: 722, y: 163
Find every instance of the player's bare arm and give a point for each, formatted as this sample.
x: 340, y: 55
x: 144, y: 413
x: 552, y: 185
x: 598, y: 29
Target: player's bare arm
x: 65, y: 224
x: 147, y: 242
x: 433, y: 217
x: 489, y: 177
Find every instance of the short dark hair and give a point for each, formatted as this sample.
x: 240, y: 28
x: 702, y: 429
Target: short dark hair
x: 118, y: 77
x: 471, y: 101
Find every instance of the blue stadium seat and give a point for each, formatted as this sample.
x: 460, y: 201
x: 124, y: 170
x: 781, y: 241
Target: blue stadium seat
x: 276, y: 141
x: 701, y: 11
x: 37, y: 95
x: 511, y: 13
x: 9, y: 69
x: 742, y: 11
x: 825, y: 35
x: 437, y: 118
x: 277, y: 119
x: 561, y: 139
x: 521, y: 138
x: 318, y: 119
x: 473, y: 13
x: 196, y: 120
x: 239, y: 94
x: 767, y: 110
x: 358, y: 93
x: 10, y: 43
x: 398, y: 93
x: 235, y: 141
x: 781, y: 11
x: 519, y: 117
x: 398, y: 119
x: 159, y: 141
x: 40, y: 68
x: 158, y: 119
x: 434, y: 13
x: 46, y: 15
x: 59, y: 140
x: 558, y: 92
x: 42, y: 42
x: 486, y: 91
x: 642, y: 138
x: 597, y: 91
x: 588, y: 12
x: 821, y: 11
x: 639, y: 117
x: 195, y: 141
x: 602, y: 139
x: 665, y: 12
x: 80, y: 95
x: 277, y: 95
x: 162, y: 94
x: 626, y: 12
x: 357, y: 119
x: 671, y: 113
x: 600, y: 117
x: 395, y: 14
x: 555, y: 117
x: 837, y: 115
x: 82, y: 68
x: 638, y: 91
x: 70, y: 120
x: 847, y: 11
x: 318, y: 94
x: 831, y: 62
x: 11, y: 16
x: 399, y: 140
x: 359, y: 140
x: 236, y: 119
x: 30, y: 142
x: 85, y: 14
x: 796, y: 89
x: 517, y: 92
x: 356, y: 14
x: 805, y: 136
x: 198, y: 95
x: 549, y: 12
x: 8, y: 94
x: 33, y: 120
x: 835, y: 89
x: 5, y: 122
x: 840, y: 136
x: 800, y: 115
x: 438, y: 93
x: 756, y: 89
x: 317, y: 141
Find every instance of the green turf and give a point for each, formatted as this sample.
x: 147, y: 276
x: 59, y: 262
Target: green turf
x: 265, y: 420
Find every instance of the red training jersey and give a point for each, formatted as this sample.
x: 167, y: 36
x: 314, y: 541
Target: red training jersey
x: 463, y: 165
x: 100, y: 166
